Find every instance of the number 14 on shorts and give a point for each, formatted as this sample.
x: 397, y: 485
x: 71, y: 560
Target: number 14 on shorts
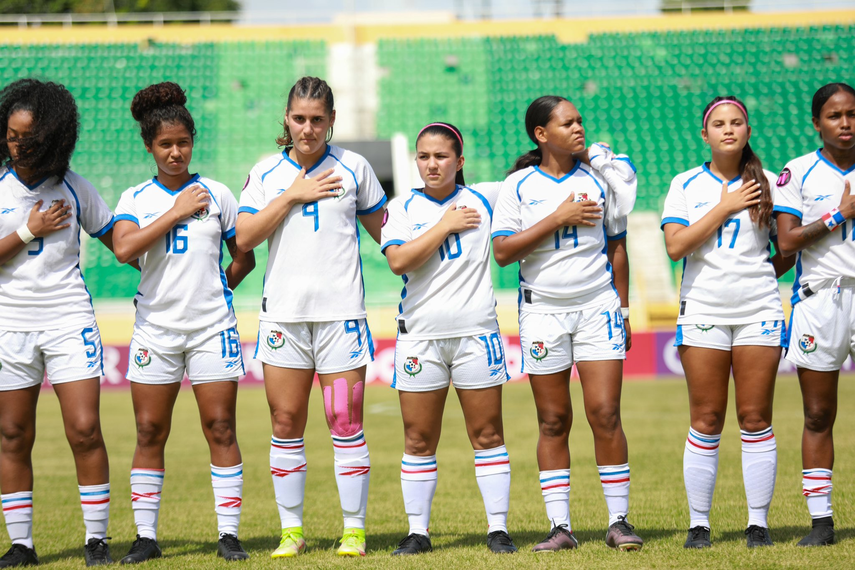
x: 615, y: 327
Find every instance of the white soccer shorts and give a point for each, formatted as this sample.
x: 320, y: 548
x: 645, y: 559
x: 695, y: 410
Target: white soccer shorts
x: 325, y: 347
x: 822, y: 330
x: 724, y: 337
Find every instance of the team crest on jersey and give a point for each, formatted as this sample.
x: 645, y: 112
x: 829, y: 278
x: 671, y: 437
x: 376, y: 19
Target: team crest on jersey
x: 412, y: 366
x: 538, y: 350
x: 201, y: 214
x: 582, y: 197
x: 143, y: 357
x: 807, y: 343
x: 704, y: 328
x: 275, y: 339
x: 784, y: 177
x: 340, y: 193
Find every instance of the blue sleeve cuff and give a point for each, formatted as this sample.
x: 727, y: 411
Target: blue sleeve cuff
x: 680, y: 221
x: 616, y: 237
x: 501, y: 233
x: 105, y: 229
x: 373, y: 208
x: 785, y: 210
x: 127, y: 217
x: 247, y: 209
x: 391, y: 242
x: 627, y: 160
x: 229, y: 233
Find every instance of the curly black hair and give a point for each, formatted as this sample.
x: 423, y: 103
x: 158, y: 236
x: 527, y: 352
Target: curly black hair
x: 56, y: 125
x: 158, y: 104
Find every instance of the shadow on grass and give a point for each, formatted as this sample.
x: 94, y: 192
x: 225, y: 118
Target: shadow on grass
x: 787, y: 534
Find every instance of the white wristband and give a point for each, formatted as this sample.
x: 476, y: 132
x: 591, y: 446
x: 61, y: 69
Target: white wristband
x: 624, y: 312
x: 25, y: 234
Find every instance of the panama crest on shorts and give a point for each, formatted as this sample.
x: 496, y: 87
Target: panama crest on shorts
x: 705, y: 328
x: 807, y: 343
x: 275, y: 339
x: 412, y: 366
x: 142, y: 358
x: 538, y: 350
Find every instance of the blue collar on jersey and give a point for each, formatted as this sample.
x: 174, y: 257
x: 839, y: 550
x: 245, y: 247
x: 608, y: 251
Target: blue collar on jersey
x: 833, y: 166
x: 434, y: 200
x: 27, y: 186
x: 194, y: 178
x: 314, y: 166
x: 563, y: 178
x: 706, y: 167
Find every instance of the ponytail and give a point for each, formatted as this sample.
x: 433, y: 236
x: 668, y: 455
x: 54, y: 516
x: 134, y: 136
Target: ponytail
x: 752, y: 169
x: 531, y: 158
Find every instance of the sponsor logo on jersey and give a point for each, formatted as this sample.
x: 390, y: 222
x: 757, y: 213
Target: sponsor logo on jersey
x: 538, y: 350
x: 581, y: 197
x: 7, y: 210
x: 704, y: 327
x: 143, y: 357
x: 201, y: 214
x: 807, y: 343
x: 150, y: 215
x: 412, y: 366
x: 417, y: 227
x: 784, y: 177
x: 535, y: 202
x: 822, y: 197
x: 701, y: 205
x: 275, y: 339
x: 385, y: 219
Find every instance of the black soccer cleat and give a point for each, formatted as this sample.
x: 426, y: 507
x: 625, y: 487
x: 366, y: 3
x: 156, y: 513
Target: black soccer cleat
x: 822, y: 533
x: 699, y: 537
x: 413, y: 544
x: 500, y: 543
x: 229, y: 547
x: 757, y: 536
x: 19, y: 555
x: 97, y: 552
x: 141, y: 550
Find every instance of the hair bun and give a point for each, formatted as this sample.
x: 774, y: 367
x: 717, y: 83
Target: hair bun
x: 157, y: 96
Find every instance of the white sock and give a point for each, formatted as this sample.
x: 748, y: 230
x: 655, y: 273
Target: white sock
x: 817, y: 490
x: 555, y: 486
x: 418, y: 484
x: 615, y: 481
x: 227, y: 483
x: 493, y: 473
x: 352, y: 472
x: 95, y: 502
x: 18, y: 512
x: 288, y: 468
x: 146, y: 485
x: 759, y: 468
x: 700, y: 467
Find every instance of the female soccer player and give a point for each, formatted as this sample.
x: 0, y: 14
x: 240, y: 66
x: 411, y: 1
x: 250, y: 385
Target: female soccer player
x: 823, y: 319
x: 561, y: 214
x: 305, y: 202
x: 438, y: 239
x: 175, y: 225
x: 43, y: 207
x: 718, y: 219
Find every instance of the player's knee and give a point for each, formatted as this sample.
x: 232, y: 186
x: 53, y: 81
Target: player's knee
x: 344, y: 420
x: 605, y: 418
x: 488, y: 439
x: 151, y: 434
x: 555, y: 424
x: 708, y: 422
x: 418, y: 444
x: 16, y: 439
x: 753, y: 421
x: 84, y: 435
x: 818, y: 418
x: 221, y: 432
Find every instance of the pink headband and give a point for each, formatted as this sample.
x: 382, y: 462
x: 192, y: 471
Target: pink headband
x: 460, y: 140
x: 725, y: 102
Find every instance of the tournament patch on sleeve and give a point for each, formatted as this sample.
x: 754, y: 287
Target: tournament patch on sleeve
x: 784, y: 177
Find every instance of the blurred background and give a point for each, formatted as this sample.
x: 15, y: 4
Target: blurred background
x: 639, y: 71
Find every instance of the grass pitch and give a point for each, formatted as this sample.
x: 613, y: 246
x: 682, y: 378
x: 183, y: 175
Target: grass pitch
x: 655, y: 416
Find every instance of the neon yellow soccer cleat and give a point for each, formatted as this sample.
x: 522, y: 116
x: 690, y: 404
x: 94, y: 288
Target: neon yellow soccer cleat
x: 352, y: 542
x: 291, y: 544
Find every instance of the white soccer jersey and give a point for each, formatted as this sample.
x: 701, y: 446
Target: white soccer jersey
x: 42, y: 288
x: 730, y: 278
x: 182, y: 284
x: 314, y: 272
x: 809, y: 187
x: 570, y: 269
x: 451, y: 295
